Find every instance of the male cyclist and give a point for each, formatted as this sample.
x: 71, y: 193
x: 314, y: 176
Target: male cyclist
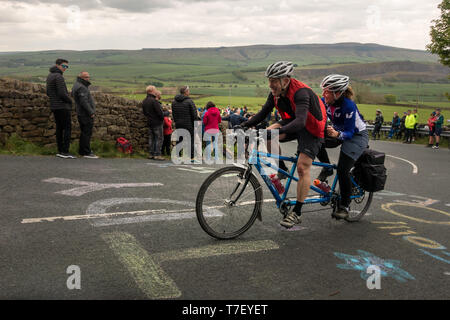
x: 348, y: 129
x: 303, y: 117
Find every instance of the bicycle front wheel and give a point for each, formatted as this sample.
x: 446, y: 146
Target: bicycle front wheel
x: 226, y: 206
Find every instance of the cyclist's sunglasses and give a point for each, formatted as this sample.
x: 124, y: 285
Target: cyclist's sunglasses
x: 65, y: 66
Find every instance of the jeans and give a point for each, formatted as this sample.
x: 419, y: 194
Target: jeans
x: 215, y: 146
x: 155, y: 140
x: 86, y: 126
x: 63, y: 120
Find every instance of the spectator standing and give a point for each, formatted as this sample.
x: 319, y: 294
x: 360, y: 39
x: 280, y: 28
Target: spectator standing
x: 402, y: 131
x: 184, y: 115
x: 167, y: 130
x: 438, y: 127
x: 85, y: 106
x: 153, y: 112
x: 395, y: 127
x: 410, y: 122
x: 431, y: 125
x: 416, y: 117
x: 234, y: 119
x: 211, y: 121
x: 61, y: 106
x: 379, y: 120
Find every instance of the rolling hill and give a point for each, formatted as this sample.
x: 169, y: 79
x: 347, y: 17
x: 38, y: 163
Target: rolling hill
x: 217, y: 70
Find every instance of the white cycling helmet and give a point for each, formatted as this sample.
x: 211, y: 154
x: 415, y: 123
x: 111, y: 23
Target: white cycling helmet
x: 280, y: 69
x: 335, y: 83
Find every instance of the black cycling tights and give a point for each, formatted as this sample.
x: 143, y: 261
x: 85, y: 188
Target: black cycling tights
x: 345, y: 163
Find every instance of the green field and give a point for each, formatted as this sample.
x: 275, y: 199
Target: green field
x: 235, y: 75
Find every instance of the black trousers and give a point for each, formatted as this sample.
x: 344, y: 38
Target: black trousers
x: 86, y: 126
x: 180, y: 140
x: 63, y: 120
x: 409, y: 135
x: 376, y: 131
x: 344, y: 166
x: 167, y: 143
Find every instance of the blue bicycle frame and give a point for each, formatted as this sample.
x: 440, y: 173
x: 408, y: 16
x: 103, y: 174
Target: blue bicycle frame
x: 325, y: 196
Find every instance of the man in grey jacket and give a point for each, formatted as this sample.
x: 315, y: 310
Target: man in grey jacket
x: 85, y: 111
x: 61, y: 106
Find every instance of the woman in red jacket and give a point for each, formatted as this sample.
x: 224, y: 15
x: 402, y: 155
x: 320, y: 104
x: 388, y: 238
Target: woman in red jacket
x: 211, y: 120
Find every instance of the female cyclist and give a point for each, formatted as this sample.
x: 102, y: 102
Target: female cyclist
x: 348, y: 129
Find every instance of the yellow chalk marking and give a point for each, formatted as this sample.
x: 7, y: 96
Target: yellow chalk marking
x: 395, y: 227
x: 388, y: 222
x: 387, y: 207
x: 424, y: 242
x: 405, y: 233
x: 150, y: 278
x: 216, y: 250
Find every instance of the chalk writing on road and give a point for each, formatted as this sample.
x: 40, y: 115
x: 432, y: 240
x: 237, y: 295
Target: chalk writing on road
x: 361, y: 262
x: 88, y: 186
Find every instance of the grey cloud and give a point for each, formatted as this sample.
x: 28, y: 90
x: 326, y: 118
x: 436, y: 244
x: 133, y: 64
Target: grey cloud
x: 134, y: 6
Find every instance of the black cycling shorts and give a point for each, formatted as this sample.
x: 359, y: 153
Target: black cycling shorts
x: 307, y: 143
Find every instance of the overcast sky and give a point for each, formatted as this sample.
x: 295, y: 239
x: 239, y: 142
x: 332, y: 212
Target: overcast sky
x: 30, y: 25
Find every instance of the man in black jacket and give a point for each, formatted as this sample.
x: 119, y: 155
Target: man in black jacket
x: 184, y: 114
x: 61, y: 106
x: 155, y: 118
x: 85, y: 111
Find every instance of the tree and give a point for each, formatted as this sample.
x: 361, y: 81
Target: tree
x: 440, y: 34
x: 390, y: 98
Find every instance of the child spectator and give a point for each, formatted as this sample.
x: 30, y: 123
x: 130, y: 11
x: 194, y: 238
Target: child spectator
x: 167, y: 129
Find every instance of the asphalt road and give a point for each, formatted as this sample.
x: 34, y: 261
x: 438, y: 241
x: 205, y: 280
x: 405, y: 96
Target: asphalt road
x: 126, y: 229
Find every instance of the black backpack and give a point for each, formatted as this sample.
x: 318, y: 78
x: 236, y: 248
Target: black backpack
x: 370, y: 172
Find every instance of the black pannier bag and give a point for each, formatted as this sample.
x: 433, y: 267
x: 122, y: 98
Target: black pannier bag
x: 370, y: 172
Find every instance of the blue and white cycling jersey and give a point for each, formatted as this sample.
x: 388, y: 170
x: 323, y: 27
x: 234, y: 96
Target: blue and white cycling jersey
x: 345, y: 117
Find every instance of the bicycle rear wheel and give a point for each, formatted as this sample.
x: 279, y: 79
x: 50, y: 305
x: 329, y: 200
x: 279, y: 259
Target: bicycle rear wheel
x: 360, y: 203
x: 220, y: 213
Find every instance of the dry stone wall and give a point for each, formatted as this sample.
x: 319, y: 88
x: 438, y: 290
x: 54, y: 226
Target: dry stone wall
x: 25, y: 110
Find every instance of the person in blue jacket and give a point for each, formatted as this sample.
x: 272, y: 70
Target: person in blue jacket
x: 347, y: 130
x: 395, y: 127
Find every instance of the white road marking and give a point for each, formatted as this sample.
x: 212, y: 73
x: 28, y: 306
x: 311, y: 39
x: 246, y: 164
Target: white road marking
x: 94, y: 186
x: 97, y: 211
x: 415, y: 169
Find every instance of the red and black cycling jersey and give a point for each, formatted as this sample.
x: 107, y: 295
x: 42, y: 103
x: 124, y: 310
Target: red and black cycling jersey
x: 300, y: 108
